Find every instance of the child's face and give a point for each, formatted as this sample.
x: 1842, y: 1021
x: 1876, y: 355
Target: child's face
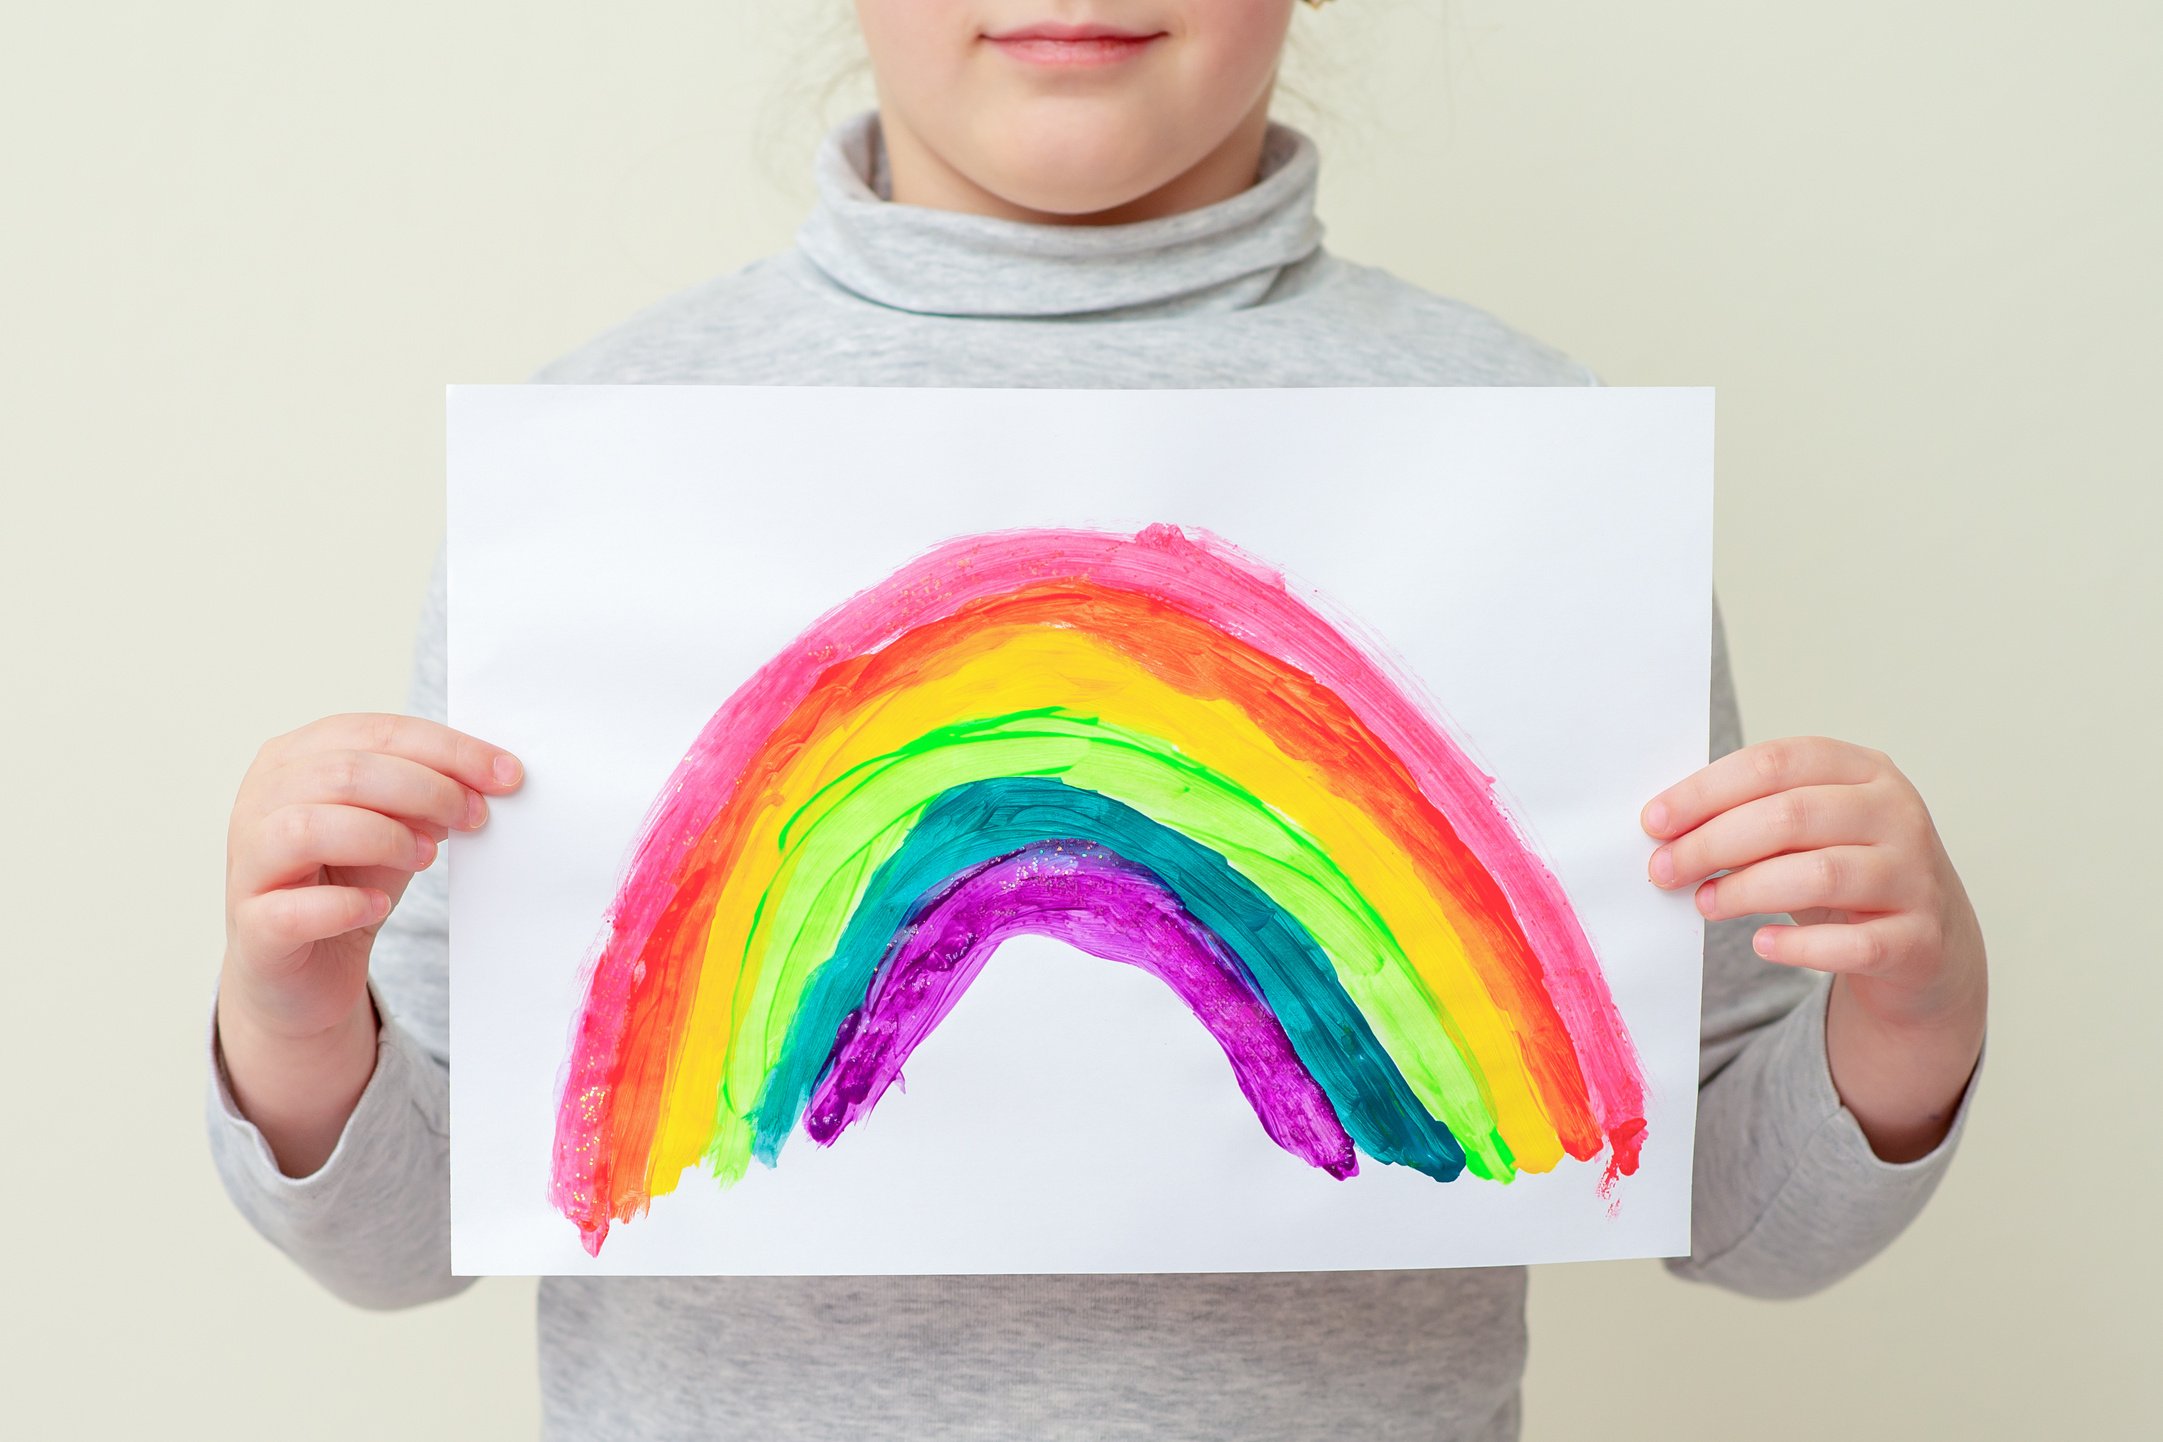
x: 1071, y: 129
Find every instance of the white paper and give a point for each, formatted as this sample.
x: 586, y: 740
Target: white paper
x: 622, y: 558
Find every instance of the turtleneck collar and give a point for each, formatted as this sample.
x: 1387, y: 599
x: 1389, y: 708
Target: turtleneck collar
x: 1223, y: 256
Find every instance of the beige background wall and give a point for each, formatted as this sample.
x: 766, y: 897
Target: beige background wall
x: 1914, y: 246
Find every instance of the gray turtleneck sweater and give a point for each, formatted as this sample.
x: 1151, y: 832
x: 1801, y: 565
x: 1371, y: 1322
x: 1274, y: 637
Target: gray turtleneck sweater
x: 1788, y: 1195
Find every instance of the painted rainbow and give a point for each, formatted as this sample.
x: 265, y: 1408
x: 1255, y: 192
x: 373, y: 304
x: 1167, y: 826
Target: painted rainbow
x: 1145, y: 747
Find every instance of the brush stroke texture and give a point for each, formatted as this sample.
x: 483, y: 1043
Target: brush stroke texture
x: 1171, y: 673
x: 1097, y: 902
x: 971, y: 827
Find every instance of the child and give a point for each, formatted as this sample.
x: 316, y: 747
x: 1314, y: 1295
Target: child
x: 1077, y: 194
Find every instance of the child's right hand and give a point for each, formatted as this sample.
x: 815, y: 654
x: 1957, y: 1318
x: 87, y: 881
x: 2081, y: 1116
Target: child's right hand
x: 331, y: 822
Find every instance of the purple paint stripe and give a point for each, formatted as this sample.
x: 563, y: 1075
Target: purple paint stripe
x: 1097, y: 902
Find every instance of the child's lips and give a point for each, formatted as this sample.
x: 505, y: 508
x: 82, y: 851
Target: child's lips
x: 1072, y: 50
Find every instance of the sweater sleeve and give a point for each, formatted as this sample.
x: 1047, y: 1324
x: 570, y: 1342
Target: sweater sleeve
x: 372, y: 1224
x: 1788, y: 1196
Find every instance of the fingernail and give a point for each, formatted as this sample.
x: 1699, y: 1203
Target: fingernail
x: 1704, y: 898
x: 379, y: 906
x: 1763, y: 945
x: 1663, y: 866
x: 424, y: 849
x: 476, y: 810
x: 506, y: 769
x: 1656, y: 818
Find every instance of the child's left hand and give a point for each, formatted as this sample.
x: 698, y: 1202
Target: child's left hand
x: 1835, y: 836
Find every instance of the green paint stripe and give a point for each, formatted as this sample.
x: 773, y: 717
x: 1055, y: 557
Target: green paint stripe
x: 838, y: 837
